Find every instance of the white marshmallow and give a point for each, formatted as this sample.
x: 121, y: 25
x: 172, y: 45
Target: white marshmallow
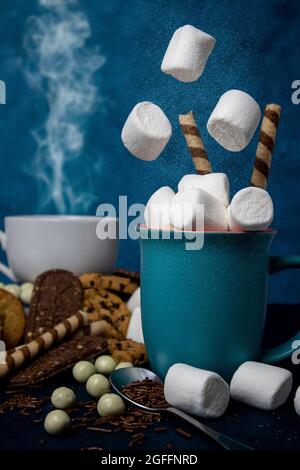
x: 216, y: 184
x: 135, y: 300
x: 196, y: 391
x: 251, y: 209
x: 187, y: 53
x: 146, y: 131
x: 157, y: 211
x: 297, y: 401
x: 135, y: 330
x: 261, y: 385
x: 195, y: 209
x: 234, y: 120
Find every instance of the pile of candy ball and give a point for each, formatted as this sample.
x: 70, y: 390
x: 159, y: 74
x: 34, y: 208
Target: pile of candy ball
x: 94, y: 376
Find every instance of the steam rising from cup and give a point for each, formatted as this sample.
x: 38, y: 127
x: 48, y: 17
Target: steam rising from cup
x: 61, y: 67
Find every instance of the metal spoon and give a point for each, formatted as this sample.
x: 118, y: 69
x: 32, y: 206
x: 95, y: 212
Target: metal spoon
x: 126, y: 376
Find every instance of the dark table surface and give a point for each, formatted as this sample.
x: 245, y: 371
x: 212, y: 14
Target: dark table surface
x: 261, y: 430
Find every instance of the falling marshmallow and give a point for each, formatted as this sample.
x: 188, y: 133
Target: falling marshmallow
x: 187, y: 53
x: 135, y: 330
x: 216, y: 184
x: 146, y: 131
x: 195, y: 209
x: 135, y: 300
x: 157, y: 211
x: 261, y: 385
x: 251, y: 209
x: 196, y: 391
x: 234, y: 120
x: 297, y: 401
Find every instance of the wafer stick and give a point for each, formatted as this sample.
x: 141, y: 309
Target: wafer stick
x: 265, y: 146
x: 95, y: 328
x: 43, y: 342
x: 194, y: 142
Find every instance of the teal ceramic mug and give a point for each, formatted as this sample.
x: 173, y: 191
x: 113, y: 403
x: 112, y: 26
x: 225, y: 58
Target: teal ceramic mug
x: 207, y: 307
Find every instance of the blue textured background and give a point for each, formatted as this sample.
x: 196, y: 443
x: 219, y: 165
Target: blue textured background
x: 257, y: 51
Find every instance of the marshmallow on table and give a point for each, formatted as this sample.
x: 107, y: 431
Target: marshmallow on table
x: 251, y: 209
x: 261, y: 385
x: 135, y: 330
x: 187, y: 53
x: 195, y: 209
x: 216, y: 184
x: 297, y: 401
x: 234, y: 120
x: 135, y: 300
x: 196, y: 391
x: 146, y: 131
x: 157, y: 211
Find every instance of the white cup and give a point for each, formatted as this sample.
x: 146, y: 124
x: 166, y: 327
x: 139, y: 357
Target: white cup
x: 35, y: 244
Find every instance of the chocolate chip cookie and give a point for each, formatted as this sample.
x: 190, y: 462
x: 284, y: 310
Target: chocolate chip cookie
x: 127, y: 351
x: 121, y: 285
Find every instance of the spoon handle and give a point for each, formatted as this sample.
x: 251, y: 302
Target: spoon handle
x: 224, y: 441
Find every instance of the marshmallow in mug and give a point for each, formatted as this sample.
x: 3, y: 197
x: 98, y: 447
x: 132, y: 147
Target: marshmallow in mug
x: 157, y: 211
x: 297, y: 401
x: 261, y: 385
x: 251, y: 209
x: 146, y: 131
x: 135, y: 329
x: 187, y: 53
x: 216, y: 184
x: 195, y: 209
x: 234, y: 120
x: 196, y: 391
x: 135, y: 300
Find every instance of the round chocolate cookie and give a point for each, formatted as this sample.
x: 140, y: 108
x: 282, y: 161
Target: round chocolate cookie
x: 57, y: 295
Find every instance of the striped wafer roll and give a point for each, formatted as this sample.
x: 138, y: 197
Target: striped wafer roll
x: 194, y: 142
x: 95, y: 328
x: 265, y: 146
x: 43, y: 342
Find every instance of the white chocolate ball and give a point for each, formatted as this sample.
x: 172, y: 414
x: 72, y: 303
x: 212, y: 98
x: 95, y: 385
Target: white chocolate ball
x: 105, y: 365
x: 97, y: 385
x: 110, y: 404
x: 122, y: 365
x: 82, y: 370
x: 56, y: 422
x: 26, y: 291
x: 13, y: 289
x: 63, y: 397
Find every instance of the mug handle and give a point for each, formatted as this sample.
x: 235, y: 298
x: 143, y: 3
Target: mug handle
x: 3, y: 268
x: 278, y: 353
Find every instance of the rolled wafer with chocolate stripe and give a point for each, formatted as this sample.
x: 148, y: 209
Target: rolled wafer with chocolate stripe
x: 95, y: 328
x: 195, y: 144
x: 43, y: 342
x: 265, y: 146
